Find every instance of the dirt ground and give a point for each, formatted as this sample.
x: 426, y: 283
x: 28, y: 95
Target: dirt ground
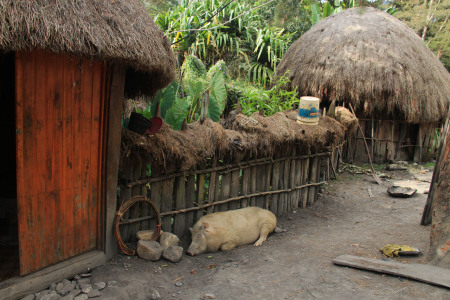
x: 297, y: 264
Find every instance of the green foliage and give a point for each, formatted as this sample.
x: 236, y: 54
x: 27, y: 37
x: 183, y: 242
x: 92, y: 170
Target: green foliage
x: 193, y: 67
x: 429, y: 19
x: 176, y: 107
x: 276, y: 99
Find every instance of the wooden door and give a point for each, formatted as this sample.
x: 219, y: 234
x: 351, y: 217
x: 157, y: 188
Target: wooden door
x: 59, y: 129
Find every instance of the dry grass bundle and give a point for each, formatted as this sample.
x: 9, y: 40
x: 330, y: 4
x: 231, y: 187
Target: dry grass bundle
x: 373, y: 60
x: 198, y: 142
x: 119, y: 31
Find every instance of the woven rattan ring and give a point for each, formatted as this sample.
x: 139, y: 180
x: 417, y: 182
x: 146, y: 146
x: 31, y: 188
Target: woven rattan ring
x: 123, y: 208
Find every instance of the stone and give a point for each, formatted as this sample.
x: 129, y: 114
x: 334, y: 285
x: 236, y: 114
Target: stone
x: 93, y: 293
x: 155, y: 295
x: 150, y: 250
x: 401, y: 192
x: 209, y: 296
x: 28, y: 297
x: 75, y: 292
x: 85, y: 275
x: 395, y: 167
x: 173, y: 253
x: 77, y: 277
x: 52, y: 287
x: 68, y: 297
x: 44, y: 293
x: 145, y: 235
x: 168, y: 239
x: 99, y: 285
x: 81, y: 297
x: 112, y: 283
x: 68, y: 286
x: 52, y: 296
x: 86, y: 290
x: 84, y: 283
x: 59, y: 286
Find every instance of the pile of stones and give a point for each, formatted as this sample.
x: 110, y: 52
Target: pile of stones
x: 151, y: 250
x: 79, y: 288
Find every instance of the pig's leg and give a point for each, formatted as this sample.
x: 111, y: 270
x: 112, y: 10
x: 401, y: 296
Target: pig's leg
x: 228, y: 246
x: 266, y: 228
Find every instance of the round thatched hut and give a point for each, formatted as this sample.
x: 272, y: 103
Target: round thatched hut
x: 65, y: 68
x: 373, y: 61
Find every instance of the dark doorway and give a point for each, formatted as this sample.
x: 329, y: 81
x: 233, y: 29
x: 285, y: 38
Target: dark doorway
x: 9, y: 249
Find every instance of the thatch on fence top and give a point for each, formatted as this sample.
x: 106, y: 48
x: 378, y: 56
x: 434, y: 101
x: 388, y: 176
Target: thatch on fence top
x: 373, y: 60
x: 111, y: 30
x: 198, y: 142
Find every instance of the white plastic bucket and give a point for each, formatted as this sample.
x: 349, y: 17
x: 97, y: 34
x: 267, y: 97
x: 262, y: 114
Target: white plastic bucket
x: 308, y: 110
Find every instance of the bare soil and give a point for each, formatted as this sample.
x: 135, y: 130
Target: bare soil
x: 297, y: 264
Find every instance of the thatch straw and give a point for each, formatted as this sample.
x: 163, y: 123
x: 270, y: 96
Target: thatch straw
x: 373, y: 60
x: 187, y: 148
x: 111, y: 30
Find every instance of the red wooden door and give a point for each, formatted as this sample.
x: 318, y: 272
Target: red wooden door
x: 59, y: 126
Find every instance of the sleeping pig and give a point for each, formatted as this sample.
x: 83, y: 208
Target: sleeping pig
x: 226, y: 230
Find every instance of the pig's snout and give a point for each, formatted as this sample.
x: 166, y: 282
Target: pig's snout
x: 190, y: 253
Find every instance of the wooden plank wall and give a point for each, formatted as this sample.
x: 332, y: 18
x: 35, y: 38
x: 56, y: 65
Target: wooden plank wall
x: 287, y: 181
x: 60, y: 119
x: 393, y: 141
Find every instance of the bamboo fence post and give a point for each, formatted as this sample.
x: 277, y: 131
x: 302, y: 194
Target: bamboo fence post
x: 155, y: 191
x: 136, y: 210
x: 213, y: 185
x: 260, y: 184
x: 292, y: 179
x: 125, y: 194
x: 312, y: 179
x: 180, y: 203
x: 190, y: 199
x: 201, y: 192
x: 166, y: 200
x: 146, y: 210
x: 305, y: 179
x: 235, y: 180
x: 245, y: 182
x: 274, y: 205
x: 284, y: 181
x: 253, y: 183
x: 267, y: 178
x: 225, y: 186
x: 298, y: 180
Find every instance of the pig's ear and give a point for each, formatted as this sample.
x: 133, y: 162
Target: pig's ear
x: 206, y: 226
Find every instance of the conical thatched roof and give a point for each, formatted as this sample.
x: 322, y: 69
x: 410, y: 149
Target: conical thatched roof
x: 373, y: 60
x: 112, y: 30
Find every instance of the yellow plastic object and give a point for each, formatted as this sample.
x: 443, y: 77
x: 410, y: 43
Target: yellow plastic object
x: 392, y: 250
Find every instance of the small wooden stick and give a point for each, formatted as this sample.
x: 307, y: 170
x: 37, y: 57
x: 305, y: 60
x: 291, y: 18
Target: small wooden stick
x: 377, y: 179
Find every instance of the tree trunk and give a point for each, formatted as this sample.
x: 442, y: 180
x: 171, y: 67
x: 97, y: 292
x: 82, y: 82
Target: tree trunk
x: 440, y: 193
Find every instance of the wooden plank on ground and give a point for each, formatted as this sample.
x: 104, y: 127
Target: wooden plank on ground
x: 425, y: 273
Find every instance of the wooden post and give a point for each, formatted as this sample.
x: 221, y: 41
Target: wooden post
x: 305, y: 179
x: 246, y: 183
x: 201, y: 192
x: 166, y: 200
x: 225, y: 186
x: 235, y: 178
x: 418, y: 148
x: 155, y: 191
x: 312, y: 179
x: 213, y: 185
x: 292, y: 179
x: 439, y: 200
x: 180, y: 203
x: 190, y: 198
x: 274, y: 205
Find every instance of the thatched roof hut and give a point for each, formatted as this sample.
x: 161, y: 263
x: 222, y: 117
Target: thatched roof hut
x: 119, y: 31
x: 65, y: 67
x: 374, y: 61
